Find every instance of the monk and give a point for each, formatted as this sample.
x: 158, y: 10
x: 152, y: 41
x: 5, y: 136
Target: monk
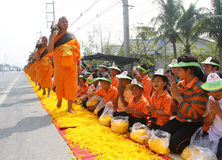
x: 45, y: 67
x: 66, y: 63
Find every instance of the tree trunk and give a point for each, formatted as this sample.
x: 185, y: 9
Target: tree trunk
x: 165, y: 58
x: 174, y: 51
x: 220, y: 59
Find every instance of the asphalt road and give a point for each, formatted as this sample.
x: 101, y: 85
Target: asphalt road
x: 26, y: 130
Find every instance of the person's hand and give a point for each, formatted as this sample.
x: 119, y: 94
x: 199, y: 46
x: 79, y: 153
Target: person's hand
x: 120, y: 88
x: 109, y: 104
x: 172, y: 78
x: 138, y: 78
x: 214, y: 107
x: 55, y: 33
x: 175, y: 91
x: 79, y: 68
x: 150, y: 108
x: 129, y: 110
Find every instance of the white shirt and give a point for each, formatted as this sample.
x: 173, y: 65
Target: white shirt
x: 92, y: 88
x: 215, y: 130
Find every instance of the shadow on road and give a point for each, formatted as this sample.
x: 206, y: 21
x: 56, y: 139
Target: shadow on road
x: 27, y: 124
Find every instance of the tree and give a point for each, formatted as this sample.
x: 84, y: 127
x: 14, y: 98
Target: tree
x: 186, y: 25
x: 212, y: 25
x: 142, y: 44
x: 170, y: 13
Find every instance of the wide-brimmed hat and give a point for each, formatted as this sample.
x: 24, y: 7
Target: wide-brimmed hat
x: 213, y: 83
x: 125, y: 75
x: 115, y: 67
x: 174, y: 61
x: 187, y: 64
x: 104, y: 65
x: 208, y: 61
x: 90, y: 79
x: 133, y: 83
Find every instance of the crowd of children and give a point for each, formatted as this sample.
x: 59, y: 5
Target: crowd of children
x: 151, y: 100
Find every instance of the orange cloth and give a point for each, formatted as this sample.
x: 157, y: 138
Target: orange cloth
x: 108, y: 96
x: 34, y: 71
x: 114, y: 81
x: 65, y: 69
x: 147, y: 85
x: 163, y: 102
x: 84, y: 89
x: 37, y: 65
x: 127, y: 94
x: 139, y: 106
x: 45, y: 68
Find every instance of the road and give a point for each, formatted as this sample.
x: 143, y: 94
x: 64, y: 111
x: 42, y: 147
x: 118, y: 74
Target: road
x: 26, y: 130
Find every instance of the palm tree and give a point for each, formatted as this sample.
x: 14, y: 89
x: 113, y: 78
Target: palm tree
x: 170, y: 13
x: 187, y: 25
x: 212, y: 25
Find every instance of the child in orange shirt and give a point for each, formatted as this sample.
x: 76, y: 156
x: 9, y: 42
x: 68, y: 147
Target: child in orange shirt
x: 115, y: 70
x: 136, y: 108
x: 160, y: 102
x: 108, y: 92
x: 83, y: 85
x: 143, y: 77
x: 124, y: 95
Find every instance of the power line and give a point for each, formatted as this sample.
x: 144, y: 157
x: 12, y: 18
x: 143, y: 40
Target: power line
x: 93, y: 4
x: 144, y: 13
x: 101, y: 13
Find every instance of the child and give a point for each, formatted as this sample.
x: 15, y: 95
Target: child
x: 210, y: 65
x: 160, y: 102
x: 143, y: 77
x: 174, y: 72
x: 93, y: 81
x: 83, y: 68
x: 124, y: 95
x: 190, y: 100
x: 115, y: 70
x: 108, y: 92
x: 213, y: 113
x: 104, y: 69
x: 83, y: 85
x: 136, y: 108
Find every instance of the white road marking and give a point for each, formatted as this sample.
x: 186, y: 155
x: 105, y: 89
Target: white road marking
x: 2, y: 98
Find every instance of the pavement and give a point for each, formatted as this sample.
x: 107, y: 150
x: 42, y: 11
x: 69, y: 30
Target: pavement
x: 26, y: 130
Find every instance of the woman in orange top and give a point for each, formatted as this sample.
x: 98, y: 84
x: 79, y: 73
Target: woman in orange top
x: 45, y: 67
x: 160, y: 102
x: 66, y: 63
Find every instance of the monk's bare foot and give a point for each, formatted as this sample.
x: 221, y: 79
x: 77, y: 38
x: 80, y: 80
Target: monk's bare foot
x: 59, y: 103
x: 48, y: 96
x: 71, y: 111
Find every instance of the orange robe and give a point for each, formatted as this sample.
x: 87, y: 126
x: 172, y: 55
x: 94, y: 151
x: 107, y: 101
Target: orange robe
x: 45, y: 68
x: 65, y: 69
x: 37, y: 72
x: 34, y: 71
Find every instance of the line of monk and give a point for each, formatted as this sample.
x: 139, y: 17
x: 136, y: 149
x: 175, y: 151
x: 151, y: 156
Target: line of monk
x: 63, y: 52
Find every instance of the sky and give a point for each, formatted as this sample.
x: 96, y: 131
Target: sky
x: 22, y: 21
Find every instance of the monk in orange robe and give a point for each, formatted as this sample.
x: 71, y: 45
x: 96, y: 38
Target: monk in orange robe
x: 66, y: 63
x: 45, y: 67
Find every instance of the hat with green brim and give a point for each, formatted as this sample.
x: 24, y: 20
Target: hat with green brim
x: 105, y: 79
x: 104, y: 65
x: 208, y: 61
x: 143, y: 69
x: 114, y: 67
x: 187, y: 64
x: 174, y: 61
x: 90, y: 79
x: 124, y: 75
x: 83, y: 66
x: 213, y: 83
x: 88, y: 73
x: 81, y: 76
x: 133, y: 83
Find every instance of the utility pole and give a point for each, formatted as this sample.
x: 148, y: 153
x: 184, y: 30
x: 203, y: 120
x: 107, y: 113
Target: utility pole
x: 126, y: 31
x: 52, y: 12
